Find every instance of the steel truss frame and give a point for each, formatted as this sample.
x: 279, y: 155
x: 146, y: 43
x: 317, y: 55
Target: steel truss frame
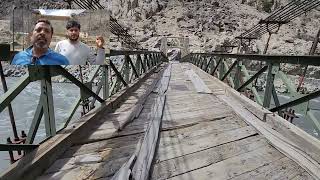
x: 114, y: 79
x: 242, y: 81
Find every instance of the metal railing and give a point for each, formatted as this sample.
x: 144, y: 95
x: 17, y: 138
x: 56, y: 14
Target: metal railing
x: 231, y: 69
x: 131, y: 65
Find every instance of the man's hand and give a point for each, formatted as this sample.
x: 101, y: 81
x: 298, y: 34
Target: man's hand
x: 100, y: 42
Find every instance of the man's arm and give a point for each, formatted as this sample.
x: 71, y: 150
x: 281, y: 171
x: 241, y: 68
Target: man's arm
x: 101, y: 54
x: 99, y: 59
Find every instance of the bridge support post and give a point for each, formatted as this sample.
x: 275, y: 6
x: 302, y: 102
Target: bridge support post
x: 126, y: 69
x: 146, y: 61
x: 204, y: 62
x: 191, y: 59
x: 221, y: 69
x: 35, y: 123
x: 105, y: 82
x: 199, y: 60
x: 272, y: 71
x: 138, y: 65
x: 216, y: 66
x: 195, y: 60
x: 143, y: 64
x: 237, y: 79
x: 208, y: 65
x: 153, y: 60
x: 5, y: 89
x: 47, y: 102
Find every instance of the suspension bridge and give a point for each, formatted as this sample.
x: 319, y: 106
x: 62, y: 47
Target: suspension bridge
x: 200, y: 117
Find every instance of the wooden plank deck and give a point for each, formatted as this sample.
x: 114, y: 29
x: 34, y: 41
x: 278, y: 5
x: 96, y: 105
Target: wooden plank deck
x: 105, y: 149
x: 201, y: 138
x: 208, y: 140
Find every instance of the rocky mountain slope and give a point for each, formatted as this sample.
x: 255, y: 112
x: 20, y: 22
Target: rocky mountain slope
x: 209, y: 23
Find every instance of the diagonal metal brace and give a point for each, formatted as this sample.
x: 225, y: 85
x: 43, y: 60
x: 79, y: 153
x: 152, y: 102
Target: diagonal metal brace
x: 297, y: 101
x: 118, y: 73
x: 229, y: 70
x: 6, y: 98
x: 215, y: 68
x: 132, y: 65
x: 74, y: 80
x: 263, y: 69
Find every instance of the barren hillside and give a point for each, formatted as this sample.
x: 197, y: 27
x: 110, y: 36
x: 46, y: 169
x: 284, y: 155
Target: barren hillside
x: 208, y: 23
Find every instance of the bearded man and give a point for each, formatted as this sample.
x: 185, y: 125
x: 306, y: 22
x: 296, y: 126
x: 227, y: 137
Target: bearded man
x: 77, y: 52
x: 40, y: 53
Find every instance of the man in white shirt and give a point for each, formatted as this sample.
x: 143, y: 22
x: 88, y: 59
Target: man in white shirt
x: 77, y: 52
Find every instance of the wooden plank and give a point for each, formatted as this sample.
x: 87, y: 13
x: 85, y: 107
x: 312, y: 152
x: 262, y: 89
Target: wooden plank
x: 76, y: 173
x: 197, y: 144
x: 290, y: 140
x: 280, y: 142
x: 197, y: 114
x: 199, y: 130
x: 125, y: 171
x: 37, y: 161
x: 106, y: 134
x: 199, y: 85
x: 200, y: 99
x: 184, y: 164
x: 164, y: 82
x: 234, y: 166
x: 178, y: 109
x: 87, y: 171
x: 133, y: 113
x: 145, y: 153
x: 101, y: 163
x: 144, y: 159
x: 97, y: 146
x: 283, y: 168
x: 303, y: 176
x: 107, y: 130
x: 71, y: 163
x: 181, y: 103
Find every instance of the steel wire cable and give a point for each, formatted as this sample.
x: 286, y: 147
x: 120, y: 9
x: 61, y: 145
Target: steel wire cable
x: 115, y: 27
x: 284, y: 14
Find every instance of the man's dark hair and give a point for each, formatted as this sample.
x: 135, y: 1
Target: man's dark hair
x: 46, y: 22
x: 72, y: 23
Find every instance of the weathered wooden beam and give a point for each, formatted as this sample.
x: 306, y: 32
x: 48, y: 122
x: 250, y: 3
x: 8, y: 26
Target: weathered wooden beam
x: 197, y: 82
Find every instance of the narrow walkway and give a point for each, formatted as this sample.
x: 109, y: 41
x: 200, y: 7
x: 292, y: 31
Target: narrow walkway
x: 201, y: 137
x: 107, y: 146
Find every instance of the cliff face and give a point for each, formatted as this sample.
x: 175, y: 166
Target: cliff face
x: 208, y: 23
x: 135, y: 9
